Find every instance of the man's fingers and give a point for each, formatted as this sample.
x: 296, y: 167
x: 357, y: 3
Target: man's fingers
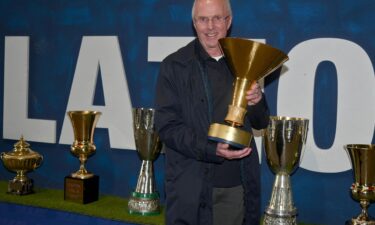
x: 235, y: 154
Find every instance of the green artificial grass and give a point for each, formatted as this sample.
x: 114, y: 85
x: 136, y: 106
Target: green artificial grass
x: 107, y: 207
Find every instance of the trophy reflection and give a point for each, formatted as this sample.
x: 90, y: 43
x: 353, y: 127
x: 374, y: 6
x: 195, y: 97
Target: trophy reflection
x: 21, y: 160
x: 249, y: 61
x: 284, y: 140
x: 145, y: 199
x: 82, y: 186
x: 362, y: 158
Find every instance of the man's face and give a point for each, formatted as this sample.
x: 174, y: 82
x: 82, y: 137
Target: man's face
x: 211, y: 22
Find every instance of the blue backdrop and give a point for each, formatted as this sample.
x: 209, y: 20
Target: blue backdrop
x: 56, y: 30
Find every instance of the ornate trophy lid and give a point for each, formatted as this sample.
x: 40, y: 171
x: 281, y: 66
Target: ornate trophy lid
x: 21, y: 151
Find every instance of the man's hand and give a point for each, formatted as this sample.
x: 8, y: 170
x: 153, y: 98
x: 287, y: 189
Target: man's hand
x: 224, y: 151
x: 254, y: 95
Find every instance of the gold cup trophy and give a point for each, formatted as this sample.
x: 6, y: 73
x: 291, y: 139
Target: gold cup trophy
x: 284, y: 140
x: 145, y: 199
x: 249, y: 61
x: 82, y: 186
x: 21, y: 160
x: 362, y: 157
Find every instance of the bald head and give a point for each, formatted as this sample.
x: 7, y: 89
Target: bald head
x: 212, y: 20
x: 226, y: 3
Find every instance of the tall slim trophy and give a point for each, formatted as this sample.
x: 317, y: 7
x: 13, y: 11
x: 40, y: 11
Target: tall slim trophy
x: 362, y: 158
x: 145, y: 199
x: 249, y: 61
x: 82, y: 186
x: 284, y: 140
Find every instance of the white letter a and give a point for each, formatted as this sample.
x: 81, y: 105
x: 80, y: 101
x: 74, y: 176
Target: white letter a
x: 117, y: 113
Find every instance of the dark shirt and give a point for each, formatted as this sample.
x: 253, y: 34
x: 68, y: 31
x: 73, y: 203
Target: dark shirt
x: 226, y: 174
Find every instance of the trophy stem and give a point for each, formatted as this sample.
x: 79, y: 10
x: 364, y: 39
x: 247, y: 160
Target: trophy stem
x: 237, y: 110
x: 364, y: 205
x: 82, y: 173
x: 363, y: 218
x: 281, y: 210
x: 21, y: 176
x: 146, y: 182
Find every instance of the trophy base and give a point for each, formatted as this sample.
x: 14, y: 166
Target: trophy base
x: 81, y: 190
x: 279, y: 220
x: 144, y: 204
x: 355, y: 221
x: 235, y: 137
x: 18, y: 187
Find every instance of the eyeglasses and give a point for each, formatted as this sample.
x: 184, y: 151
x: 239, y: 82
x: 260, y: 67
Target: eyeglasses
x: 216, y: 20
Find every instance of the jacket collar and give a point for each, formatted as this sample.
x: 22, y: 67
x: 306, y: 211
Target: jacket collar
x: 191, y: 51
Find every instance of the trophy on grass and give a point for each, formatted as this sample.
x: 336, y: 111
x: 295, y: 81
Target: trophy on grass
x: 284, y: 140
x: 82, y: 186
x: 249, y: 61
x: 362, y: 158
x: 145, y: 199
x: 21, y: 160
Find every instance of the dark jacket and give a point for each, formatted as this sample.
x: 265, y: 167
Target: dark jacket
x: 182, y: 122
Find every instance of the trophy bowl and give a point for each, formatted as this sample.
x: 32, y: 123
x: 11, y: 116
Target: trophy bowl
x: 83, y: 147
x: 362, y: 157
x: 284, y: 140
x: 21, y: 160
x: 147, y: 140
x: 249, y: 61
x: 145, y: 199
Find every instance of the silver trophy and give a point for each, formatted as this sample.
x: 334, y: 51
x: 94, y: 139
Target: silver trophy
x: 284, y: 140
x: 145, y: 199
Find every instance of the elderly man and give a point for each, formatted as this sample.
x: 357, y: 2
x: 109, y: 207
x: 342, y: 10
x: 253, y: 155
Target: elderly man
x: 206, y: 182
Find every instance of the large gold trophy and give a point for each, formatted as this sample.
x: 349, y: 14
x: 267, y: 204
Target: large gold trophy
x: 362, y: 158
x: 82, y: 186
x: 284, y: 140
x: 249, y: 61
x: 145, y: 199
x: 21, y: 160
